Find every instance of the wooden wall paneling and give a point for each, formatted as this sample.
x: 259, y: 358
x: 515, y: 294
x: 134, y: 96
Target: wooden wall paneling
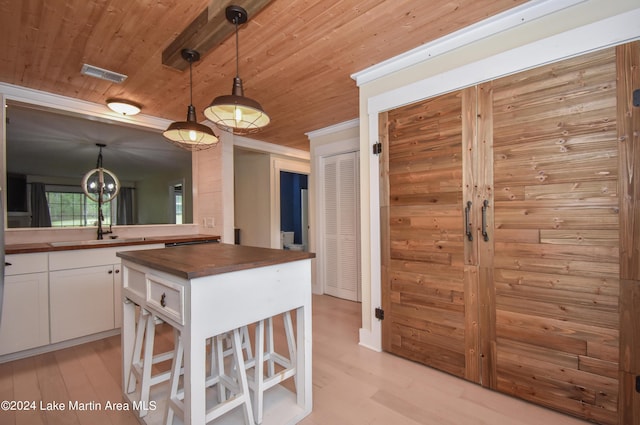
x: 473, y: 366
x: 383, y: 135
x: 555, y: 261
x: 429, y: 280
x: 628, y: 73
x: 485, y: 247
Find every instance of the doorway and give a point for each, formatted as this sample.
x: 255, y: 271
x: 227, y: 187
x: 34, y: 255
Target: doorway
x: 294, y: 208
x: 176, y: 197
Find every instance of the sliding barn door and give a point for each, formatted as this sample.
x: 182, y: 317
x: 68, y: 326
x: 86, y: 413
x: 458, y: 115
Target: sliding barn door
x: 551, y: 269
x: 500, y: 230
x: 428, y: 280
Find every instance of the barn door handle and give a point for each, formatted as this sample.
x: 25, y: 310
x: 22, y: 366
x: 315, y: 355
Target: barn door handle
x: 485, y: 204
x: 467, y: 225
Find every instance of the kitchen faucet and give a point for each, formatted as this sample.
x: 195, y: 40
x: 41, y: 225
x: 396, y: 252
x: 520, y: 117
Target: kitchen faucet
x: 101, y: 232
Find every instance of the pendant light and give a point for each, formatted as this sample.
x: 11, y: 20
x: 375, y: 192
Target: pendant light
x: 191, y: 135
x: 101, y: 186
x: 235, y: 112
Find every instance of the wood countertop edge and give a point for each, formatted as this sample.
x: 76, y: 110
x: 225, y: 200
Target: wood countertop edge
x: 158, y: 260
x: 48, y: 247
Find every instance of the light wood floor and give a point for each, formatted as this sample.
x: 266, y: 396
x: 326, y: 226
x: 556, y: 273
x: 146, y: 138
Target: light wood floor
x: 351, y: 384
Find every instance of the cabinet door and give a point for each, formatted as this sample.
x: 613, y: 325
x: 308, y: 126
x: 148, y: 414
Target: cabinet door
x: 81, y: 302
x: 25, y: 313
x: 117, y: 295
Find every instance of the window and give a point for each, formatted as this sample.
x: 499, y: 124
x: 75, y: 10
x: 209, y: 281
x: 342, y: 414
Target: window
x: 68, y: 206
x: 177, y: 198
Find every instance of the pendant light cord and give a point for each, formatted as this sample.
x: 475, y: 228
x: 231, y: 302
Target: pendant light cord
x: 235, y: 21
x: 190, y: 82
x: 99, y: 162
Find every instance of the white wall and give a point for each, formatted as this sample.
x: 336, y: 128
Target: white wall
x: 252, y: 197
x: 536, y: 33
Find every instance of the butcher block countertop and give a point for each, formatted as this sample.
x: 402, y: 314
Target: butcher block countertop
x: 192, y: 261
x: 107, y: 242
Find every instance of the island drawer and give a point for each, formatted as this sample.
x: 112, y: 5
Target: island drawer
x: 166, y: 298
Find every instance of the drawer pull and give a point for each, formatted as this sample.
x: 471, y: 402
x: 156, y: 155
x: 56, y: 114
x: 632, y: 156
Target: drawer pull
x: 7, y: 264
x: 163, y: 301
x: 467, y: 224
x: 485, y: 235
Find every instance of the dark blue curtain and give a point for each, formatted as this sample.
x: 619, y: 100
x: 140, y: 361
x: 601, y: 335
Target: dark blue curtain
x: 124, y: 215
x: 40, y: 216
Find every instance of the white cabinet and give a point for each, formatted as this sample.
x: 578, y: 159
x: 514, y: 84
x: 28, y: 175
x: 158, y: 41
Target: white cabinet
x: 50, y: 297
x: 25, y: 309
x: 85, y: 288
x: 81, y: 302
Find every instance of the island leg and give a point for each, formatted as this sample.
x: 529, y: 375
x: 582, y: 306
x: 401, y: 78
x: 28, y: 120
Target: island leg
x: 127, y: 337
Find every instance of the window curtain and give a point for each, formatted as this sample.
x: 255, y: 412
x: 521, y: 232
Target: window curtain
x: 40, y: 216
x: 124, y: 214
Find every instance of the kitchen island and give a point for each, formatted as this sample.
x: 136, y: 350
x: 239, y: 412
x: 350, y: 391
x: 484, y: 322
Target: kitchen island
x: 212, y: 289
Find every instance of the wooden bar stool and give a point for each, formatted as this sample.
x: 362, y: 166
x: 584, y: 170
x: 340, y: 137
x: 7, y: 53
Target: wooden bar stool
x: 233, y: 391
x: 221, y: 348
x: 143, y: 360
x: 261, y: 382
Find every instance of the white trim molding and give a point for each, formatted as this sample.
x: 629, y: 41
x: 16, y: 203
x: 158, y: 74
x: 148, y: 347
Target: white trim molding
x: 333, y: 128
x: 509, y: 19
x: 260, y: 146
x: 60, y: 103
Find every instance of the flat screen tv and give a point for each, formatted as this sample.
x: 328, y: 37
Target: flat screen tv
x: 16, y: 193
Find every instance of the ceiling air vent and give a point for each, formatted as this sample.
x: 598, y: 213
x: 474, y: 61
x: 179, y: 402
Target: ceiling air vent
x: 103, y: 74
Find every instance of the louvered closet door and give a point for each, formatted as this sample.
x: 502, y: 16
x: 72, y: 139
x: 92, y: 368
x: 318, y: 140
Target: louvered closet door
x: 427, y: 282
x: 341, y: 265
x: 554, y: 206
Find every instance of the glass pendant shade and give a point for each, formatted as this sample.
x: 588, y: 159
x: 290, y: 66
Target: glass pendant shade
x: 236, y: 113
x: 190, y: 134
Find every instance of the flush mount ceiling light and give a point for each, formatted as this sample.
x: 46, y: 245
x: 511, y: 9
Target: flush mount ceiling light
x: 124, y: 107
x: 190, y: 134
x: 235, y: 112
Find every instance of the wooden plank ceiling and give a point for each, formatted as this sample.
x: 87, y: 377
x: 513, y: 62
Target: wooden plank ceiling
x: 296, y: 56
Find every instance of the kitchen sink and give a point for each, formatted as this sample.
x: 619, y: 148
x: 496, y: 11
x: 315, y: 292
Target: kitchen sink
x: 96, y: 242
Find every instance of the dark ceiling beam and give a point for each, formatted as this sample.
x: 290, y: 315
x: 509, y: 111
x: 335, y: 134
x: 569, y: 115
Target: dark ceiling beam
x: 207, y: 31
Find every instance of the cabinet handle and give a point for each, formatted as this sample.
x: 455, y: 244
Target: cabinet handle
x: 110, y: 271
x: 485, y: 204
x: 117, y: 271
x: 7, y: 264
x: 163, y: 301
x: 467, y: 225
